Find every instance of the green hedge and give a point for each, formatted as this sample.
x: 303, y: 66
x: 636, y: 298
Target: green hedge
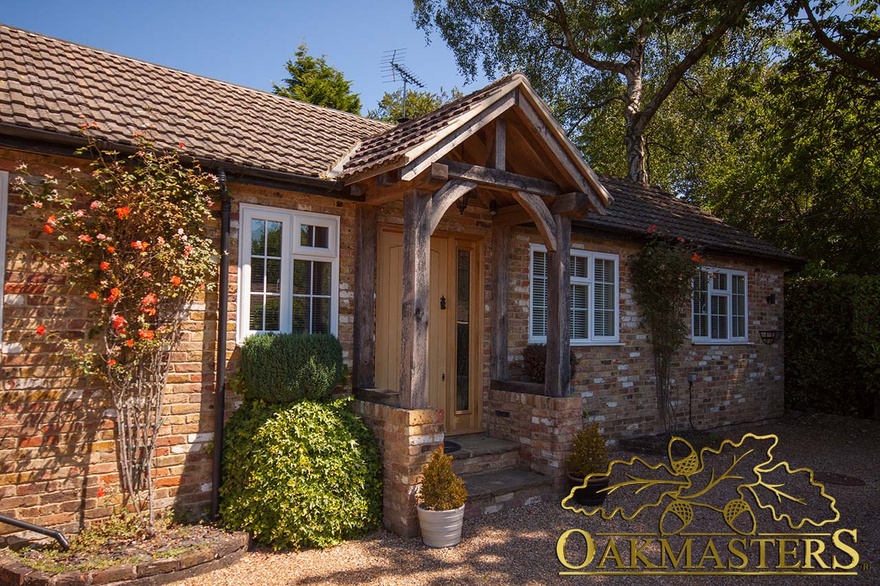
x: 832, y: 344
x: 301, y: 475
x: 284, y: 368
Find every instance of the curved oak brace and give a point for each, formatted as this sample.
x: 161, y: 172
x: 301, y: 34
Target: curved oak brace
x: 540, y: 214
x: 443, y: 199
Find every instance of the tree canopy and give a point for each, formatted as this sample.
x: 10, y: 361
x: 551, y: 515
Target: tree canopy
x: 418, y: 103
x: 588, y: 56
x: 312, y: 80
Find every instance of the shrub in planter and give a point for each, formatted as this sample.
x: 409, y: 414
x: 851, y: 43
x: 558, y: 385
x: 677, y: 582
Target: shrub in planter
x: 441, y: 502
x: 284, y: 368
x: 589, y: 455
x: 535, y: 361
x: 306, y: 474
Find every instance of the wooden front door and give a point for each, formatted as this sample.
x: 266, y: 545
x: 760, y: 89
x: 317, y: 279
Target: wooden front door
x: 454, y: 335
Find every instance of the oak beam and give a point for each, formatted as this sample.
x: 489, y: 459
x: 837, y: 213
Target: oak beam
x: 573, y: 205
x: 557, y: 378
x: 364, y: 359
x: 499, y: 180
x: 540, y: 215
x: 443, y: 199
x: 511, y: 216
x: 501, y: 144
x: 414, y: 326
x: 500, y: 285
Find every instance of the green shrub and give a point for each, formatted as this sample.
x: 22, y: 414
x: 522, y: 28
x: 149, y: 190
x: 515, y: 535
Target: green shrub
x: 588, y: 453
x: 832, y: 344
x: 284, y: 368
x: 442, y: 489
x: 535, y: 361
x: 301, y: 475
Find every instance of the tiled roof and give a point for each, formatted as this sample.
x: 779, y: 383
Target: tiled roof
x: 47, y: 84
x: 637, y: 207
x: 390, y: 145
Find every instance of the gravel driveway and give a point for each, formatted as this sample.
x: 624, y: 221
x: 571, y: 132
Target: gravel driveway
x: 519, y: 546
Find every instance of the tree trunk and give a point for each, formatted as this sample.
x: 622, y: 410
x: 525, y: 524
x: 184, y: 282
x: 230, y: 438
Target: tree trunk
x: 634, y: 137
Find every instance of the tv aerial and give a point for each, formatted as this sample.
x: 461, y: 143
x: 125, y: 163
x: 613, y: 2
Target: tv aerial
x: 394, y: 71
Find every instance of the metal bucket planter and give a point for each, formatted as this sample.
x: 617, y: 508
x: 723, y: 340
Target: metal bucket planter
x: 441, y: 528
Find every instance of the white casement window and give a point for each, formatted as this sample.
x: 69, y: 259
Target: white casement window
x: 720, y: 306
x: 594, y: 297
x: 289, y: 273
x: 4, y: 206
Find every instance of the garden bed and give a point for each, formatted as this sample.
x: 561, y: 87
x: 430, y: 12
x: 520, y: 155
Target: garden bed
x: 175, y: 553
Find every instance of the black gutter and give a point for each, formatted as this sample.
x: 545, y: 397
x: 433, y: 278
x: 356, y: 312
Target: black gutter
x: 56, y: 535
x: 222, y: 318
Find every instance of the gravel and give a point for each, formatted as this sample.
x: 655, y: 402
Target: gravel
x: 519, y: 546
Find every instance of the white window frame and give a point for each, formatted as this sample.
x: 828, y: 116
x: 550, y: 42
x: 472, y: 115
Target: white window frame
x: 291, y: 249
x: 4, y: 208
x: 592, y: 339
x: 730, y: 339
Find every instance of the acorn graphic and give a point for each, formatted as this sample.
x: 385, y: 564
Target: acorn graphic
x: 676, y: 516
x: 683, y: 466
x: 739, y: 516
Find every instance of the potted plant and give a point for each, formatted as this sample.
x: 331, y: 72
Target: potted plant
x: 589, y: 459
x: 441, y: 502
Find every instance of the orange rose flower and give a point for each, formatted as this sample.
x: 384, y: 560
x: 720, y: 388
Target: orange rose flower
x: 105, y: 265
x: 122, y: 213
x: 129, y: 342
x: 93, y: 295
x: 176, y: 281
x: 147, y: 334
x: 41, y: 329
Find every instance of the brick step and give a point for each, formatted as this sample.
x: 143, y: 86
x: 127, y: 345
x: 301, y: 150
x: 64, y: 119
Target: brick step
x: 480, y: 453
x: 497, y: 490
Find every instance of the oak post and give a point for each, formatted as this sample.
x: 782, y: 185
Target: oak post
x: 414, y: 324
x: 500, y: 282
x: 364, y: 359
x: 558, y: 368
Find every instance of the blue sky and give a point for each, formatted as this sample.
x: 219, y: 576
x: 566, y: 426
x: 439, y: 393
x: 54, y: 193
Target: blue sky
x: 248, y: 42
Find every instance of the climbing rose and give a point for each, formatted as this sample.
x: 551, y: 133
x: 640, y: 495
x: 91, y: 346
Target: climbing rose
x: 114, y: 295
x: 105, y: 265
x: 93, y: 295
x: 696, y: 258
x: 651, y: 228
x: 41, y: 329
x: 111, y: 362
x: 129, y: 342
x: 123, y: 212
x: 111, y: 249
x: 118, y: 322
x: 84, y: 238
x: 140, y: 245
x: 175, y: 280
x: 147, y: 334
x: 48, y: 229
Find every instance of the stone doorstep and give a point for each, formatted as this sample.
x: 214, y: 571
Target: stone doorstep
x: 496, y: 490
x: 479, y: 452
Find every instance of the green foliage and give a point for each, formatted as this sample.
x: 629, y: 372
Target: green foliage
x: 123, y: 526
x: 135, y: 245
x: 442, y: 489
x: 589, y: 455
x: 284, y: 368
x: 312, y: 80
x: 589, y: 58
x: 663, y: 271
x: 535, y: 361
x: 300, y: 475
x: 418, y: 103
x: 832, y: 344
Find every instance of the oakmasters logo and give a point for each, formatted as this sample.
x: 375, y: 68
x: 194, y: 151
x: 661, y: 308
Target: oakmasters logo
x: 705, y: 510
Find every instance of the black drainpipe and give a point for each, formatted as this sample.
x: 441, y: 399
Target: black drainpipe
x: 222, y: 317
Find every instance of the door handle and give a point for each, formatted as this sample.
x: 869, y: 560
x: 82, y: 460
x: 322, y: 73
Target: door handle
x: 442, y: 302
x: 443, y: 376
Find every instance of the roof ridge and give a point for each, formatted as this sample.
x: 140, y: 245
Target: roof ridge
x: 195, y: 75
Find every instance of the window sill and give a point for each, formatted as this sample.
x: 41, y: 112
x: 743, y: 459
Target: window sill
x: 583, y: 344
x: 721, y: 343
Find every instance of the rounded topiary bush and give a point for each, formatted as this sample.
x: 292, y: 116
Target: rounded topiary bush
x: 285, y: 368
x: 301, y: 475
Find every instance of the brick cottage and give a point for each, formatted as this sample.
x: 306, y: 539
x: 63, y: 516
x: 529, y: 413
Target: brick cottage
x: 437, y: 250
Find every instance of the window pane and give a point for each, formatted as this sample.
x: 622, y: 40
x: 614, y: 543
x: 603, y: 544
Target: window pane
x: 738, y: 311
x: 301, y: 313
x: 320, y: 316
x: 256, y: 320
x: 463, y: 331
x: 273, y: 239
x: 314, y: 236
x: 605, y: 324
x: 320, y: 277
x: 273, y: 314
x: 539, y: 294
x: 719, y: 317
x: 580, y: 267
x: 719, y: 282
x: 701, y: 301
x: 258, y: 236
x: 258, y: 274
x: 580, y: 312
x: 302, y: 277
x: 273, y: 275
